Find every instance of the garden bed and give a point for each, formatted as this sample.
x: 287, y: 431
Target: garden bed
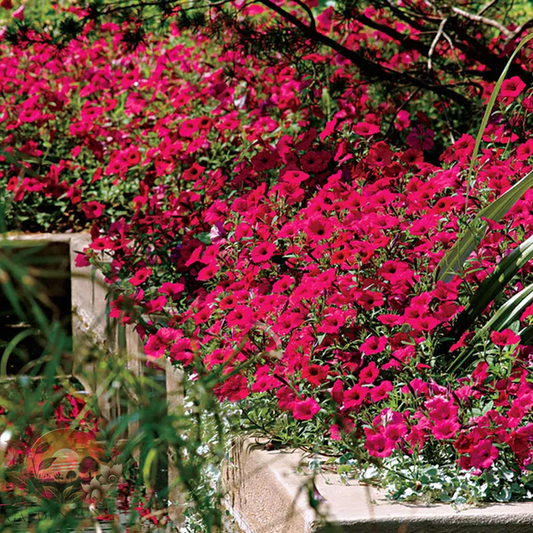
x: 350, y: 268
x: 269, y: 493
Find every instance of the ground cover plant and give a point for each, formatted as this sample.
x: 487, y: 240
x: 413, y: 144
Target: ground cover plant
x: 286, y: 231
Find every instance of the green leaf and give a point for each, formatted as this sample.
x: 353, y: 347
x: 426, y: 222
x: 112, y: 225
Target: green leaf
x: 490, y: 106
x: 149, y: 467
x: 47, y: 463
x: 344, y: 469
x: 510, y: 311
x: 490, y: 477
x: 526, y: 336
x: 204, y: 237
x: 493, y: 284
x: 455, y: 258
x: 504, y: 495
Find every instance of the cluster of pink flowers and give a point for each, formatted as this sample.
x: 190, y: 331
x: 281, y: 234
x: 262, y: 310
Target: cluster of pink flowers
x: 291, y: 251
x: 317, y: 291
x: 328, y: 292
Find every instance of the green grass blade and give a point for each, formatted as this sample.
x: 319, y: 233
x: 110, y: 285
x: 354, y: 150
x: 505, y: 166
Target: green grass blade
x: 526, y: 336
x: 508, y: 313
x: 488, y: 111
x: 493, y: 284
x: 455, y: 258
x: 11, y: 346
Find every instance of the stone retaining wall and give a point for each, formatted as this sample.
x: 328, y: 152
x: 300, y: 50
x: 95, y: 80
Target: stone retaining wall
x: 268, y: 492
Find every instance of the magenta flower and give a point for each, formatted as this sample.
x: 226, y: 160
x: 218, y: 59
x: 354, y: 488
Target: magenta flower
x: 140, y: 276
x: 381, y: 392
x: 374, y: 345
x: 368, y: 374
x: 507, y: 337
x: 512, y: 87
x: 421, y: 138
x: 379, y: 445
x: 445, y: 429
x: 235, y: 388
x: 305, y: 409
x: 365, y: 130
x: 354, y: 397
x: 263, y: 252
x: 174, y: 290
x: 484, y: 454
x: 332, y: 322
x: 93, y: 210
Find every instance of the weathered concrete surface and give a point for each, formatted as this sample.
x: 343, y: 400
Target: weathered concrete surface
x: 267, y: 495
x: 264, y: 493
x: 174, y: 387
x: 89, y: 290
x: 91, y: 325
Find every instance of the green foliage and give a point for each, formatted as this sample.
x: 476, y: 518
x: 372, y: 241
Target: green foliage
x: 461, y: 250
x: 139, y: 437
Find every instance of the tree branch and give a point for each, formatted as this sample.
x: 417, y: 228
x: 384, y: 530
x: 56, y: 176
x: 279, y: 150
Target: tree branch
x: 486, y: 7
x: 366, y: 66
x: 478, y: 52
x: 395, y: 34
x: 478, y: 18
x: 435, y: 41
x: 307, y: 9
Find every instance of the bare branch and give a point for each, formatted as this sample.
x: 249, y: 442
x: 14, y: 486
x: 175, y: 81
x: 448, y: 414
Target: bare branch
x: 366, y: 65
x: 435, y: 41
x: 452, y: 46
x: 486, y: 7
x: 395, y: 34
x: 478, y: 18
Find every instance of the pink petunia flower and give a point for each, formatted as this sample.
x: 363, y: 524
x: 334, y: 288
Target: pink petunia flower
x: 374, y: 345
x: 365, y: 130
x: 445, y: 429
x: 512, y: 87
x: 332, y: 322
x: 368, y: 374
x: 173, y: 290
x: 93, y: 210
x: 381, y: 392
x: 305, y: 409
x: 507, y: 337
x: 354, y: 397
x: 140, y: 276
x: 235, y: 388
x: 379, y: 445
x: 263, y: 252
x: 484, y: 454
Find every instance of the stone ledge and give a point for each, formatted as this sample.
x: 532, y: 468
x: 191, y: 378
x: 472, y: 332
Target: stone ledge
x: 267, y: 495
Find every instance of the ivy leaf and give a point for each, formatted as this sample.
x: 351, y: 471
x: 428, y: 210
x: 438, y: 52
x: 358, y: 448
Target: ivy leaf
x: 504, y: 495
